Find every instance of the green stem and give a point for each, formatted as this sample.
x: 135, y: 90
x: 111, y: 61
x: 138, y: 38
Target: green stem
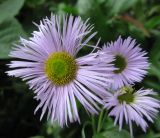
x: 93, y: 124
x: 100, y: 121
x: 83, y: 129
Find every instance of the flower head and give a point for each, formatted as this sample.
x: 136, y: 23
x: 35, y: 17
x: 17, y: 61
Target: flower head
x: 48, y: 62
x: 132, y: 106
x: 130, y: 62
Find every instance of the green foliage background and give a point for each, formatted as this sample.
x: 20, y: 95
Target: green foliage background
x: 137, y: 18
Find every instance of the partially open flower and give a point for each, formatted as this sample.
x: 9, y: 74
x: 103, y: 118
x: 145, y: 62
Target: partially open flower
x: 49, y: 64
x: 130, y: 62
x: 128, y: 105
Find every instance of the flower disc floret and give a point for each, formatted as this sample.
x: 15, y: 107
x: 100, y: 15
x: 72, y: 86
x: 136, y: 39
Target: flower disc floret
x: 60, y: 68
x: 127, y: 95
x: 120, y: 63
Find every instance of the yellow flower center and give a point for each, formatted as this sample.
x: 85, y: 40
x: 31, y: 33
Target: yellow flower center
x: 60, y: 68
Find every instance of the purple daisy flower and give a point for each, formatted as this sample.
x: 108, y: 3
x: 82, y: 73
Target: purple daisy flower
x: 48, y: 62
x: 130, y: 62
x: 129, y: 105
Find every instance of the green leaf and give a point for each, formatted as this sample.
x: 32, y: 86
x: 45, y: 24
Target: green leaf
x: 118, y: 6
x: 65, y: 8
x: 153, y: 22
x: 113, y: 133
x: 154, y: 9
x: 108, y: 123
x: 85, y: 6
x: 157, y: 123
x: 34, y: 3
x: 10, y: 8
x: 92, y: 9
x: 154, y: 70
x: 151, y: 83
x: 117, y: 134
x: 155, y: 60
x: 10, y: 32
x: 150, y: 135
x: 99, y: 136
x: 51, y: 130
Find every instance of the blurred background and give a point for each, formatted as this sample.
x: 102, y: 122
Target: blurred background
x: 139, y: 19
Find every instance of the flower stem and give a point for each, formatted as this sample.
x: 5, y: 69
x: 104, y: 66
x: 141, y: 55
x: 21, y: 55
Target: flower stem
x: 93, y: 124
x: 131, y: 129
x: 100, y: 120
